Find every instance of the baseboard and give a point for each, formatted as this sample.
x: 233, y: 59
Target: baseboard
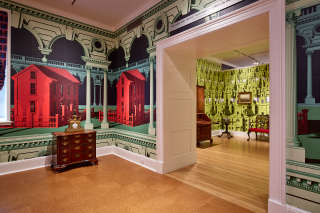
x: 276, y: 207
x: 292, y: 209
x: 140, y: 160
x: 180, y: 161
x: 105, y: 150
x: 23, y: 165
x: 40, y: 162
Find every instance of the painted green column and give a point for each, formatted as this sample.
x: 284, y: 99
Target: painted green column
x: 94, y: 93
x: 309, y: 99
x: 88, y: 124
x: 151, y: 129
x: 105, y: 124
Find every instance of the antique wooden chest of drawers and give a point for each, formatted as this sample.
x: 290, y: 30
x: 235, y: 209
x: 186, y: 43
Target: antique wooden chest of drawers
x: 72, y: 148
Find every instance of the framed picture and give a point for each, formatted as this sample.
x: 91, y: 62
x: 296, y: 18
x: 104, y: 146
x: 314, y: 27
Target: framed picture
x: 244, y: 98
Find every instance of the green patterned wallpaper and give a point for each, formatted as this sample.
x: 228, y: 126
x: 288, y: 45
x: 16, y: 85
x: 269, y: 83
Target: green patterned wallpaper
x: 221, y: 93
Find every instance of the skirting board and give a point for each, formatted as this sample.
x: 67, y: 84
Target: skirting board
x: 40, y: 162
x: 276, y: 207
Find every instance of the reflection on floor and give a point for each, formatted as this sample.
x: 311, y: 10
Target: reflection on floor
x: 234, y: 170
x: 115, y: 185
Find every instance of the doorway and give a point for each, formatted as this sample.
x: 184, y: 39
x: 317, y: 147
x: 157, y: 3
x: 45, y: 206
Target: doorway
x: 176, y: 92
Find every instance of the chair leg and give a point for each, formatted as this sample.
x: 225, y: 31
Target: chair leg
x: 256, y: 136
x: 248, y: 136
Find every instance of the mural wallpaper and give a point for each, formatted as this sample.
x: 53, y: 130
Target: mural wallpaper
x: 222, y: 89
x: 75, y: 58
x: 303, y: 136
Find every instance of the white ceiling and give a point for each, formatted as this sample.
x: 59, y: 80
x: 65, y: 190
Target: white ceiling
x: 106, y: 14
x: 257, y: 51
x: 250, y: 36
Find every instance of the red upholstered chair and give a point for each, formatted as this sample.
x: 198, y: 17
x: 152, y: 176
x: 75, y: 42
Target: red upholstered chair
x: 260, y: 126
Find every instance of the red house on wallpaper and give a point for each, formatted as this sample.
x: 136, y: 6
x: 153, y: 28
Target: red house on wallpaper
x: 44, y: 96
x: 130, y: 98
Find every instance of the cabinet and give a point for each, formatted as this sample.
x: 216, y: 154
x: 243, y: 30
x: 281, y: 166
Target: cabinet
x: 72, y: 148
x: 203, y: 121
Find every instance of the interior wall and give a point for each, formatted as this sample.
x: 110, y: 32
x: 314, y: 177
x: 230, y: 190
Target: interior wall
x: 180, y: 138
x: 303, y: 155
x: 222, y: 89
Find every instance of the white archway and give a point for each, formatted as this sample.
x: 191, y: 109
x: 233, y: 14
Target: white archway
x: 176, y: 95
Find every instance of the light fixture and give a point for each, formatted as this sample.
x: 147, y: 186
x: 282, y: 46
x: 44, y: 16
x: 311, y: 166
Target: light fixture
x: 255, y: 61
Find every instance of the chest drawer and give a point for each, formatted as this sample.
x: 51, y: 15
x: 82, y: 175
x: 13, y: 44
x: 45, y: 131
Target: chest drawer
x: 74, y: 148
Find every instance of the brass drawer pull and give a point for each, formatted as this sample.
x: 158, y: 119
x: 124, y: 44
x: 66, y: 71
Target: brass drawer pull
x: 65, y: 143
x: 77, y: 148
x: 77, y: 155
x: 90, y: 140
x: 77, y: 136
x: 65, y: 151
x: 65, y: 159
x: 77, y: 141
x: 65, y: 137
x: 89, y: 147
x: 90, y: 155
x: 90, y: 135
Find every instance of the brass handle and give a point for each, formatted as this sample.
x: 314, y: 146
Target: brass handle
x: 89, y: 147
x: 90, y: 155
x: 65, y: 137
x: 65, y: 151
x: 90, y: 135
x: 65, y: 143
x: 77, y: 155
x: 65, y: 159
x: 77, y: 141
x: 77, y: 136
x: 90, y: 140
x: 77, y: 148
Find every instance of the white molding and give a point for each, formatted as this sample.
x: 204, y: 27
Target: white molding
x: 275, y: 206
x: 276, y: 11
x: 293, y: 209
x: 40, y: 162
x: 103, y: 151
x: 140, y: 160
x: 24, y: 165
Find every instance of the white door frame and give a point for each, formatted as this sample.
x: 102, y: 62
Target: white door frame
x: 276, y: 11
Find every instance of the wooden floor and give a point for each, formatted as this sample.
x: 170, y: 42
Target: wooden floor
x: 234, y: 170
x: 115, y: 185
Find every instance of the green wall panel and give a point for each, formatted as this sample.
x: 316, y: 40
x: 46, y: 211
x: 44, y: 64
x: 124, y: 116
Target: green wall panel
x: 222, y: 89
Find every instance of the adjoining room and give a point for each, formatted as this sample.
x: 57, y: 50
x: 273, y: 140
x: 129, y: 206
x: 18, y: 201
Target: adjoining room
x: 231, y: 68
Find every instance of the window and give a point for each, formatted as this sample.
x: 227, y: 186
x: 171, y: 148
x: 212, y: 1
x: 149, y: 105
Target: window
x: 5, y: 77
x: 32, y: 75
x: 32, y: 88
x: 32, y: 106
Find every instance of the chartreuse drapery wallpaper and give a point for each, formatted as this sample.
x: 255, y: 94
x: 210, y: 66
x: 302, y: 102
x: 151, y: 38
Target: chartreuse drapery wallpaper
x: 222, y: 89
